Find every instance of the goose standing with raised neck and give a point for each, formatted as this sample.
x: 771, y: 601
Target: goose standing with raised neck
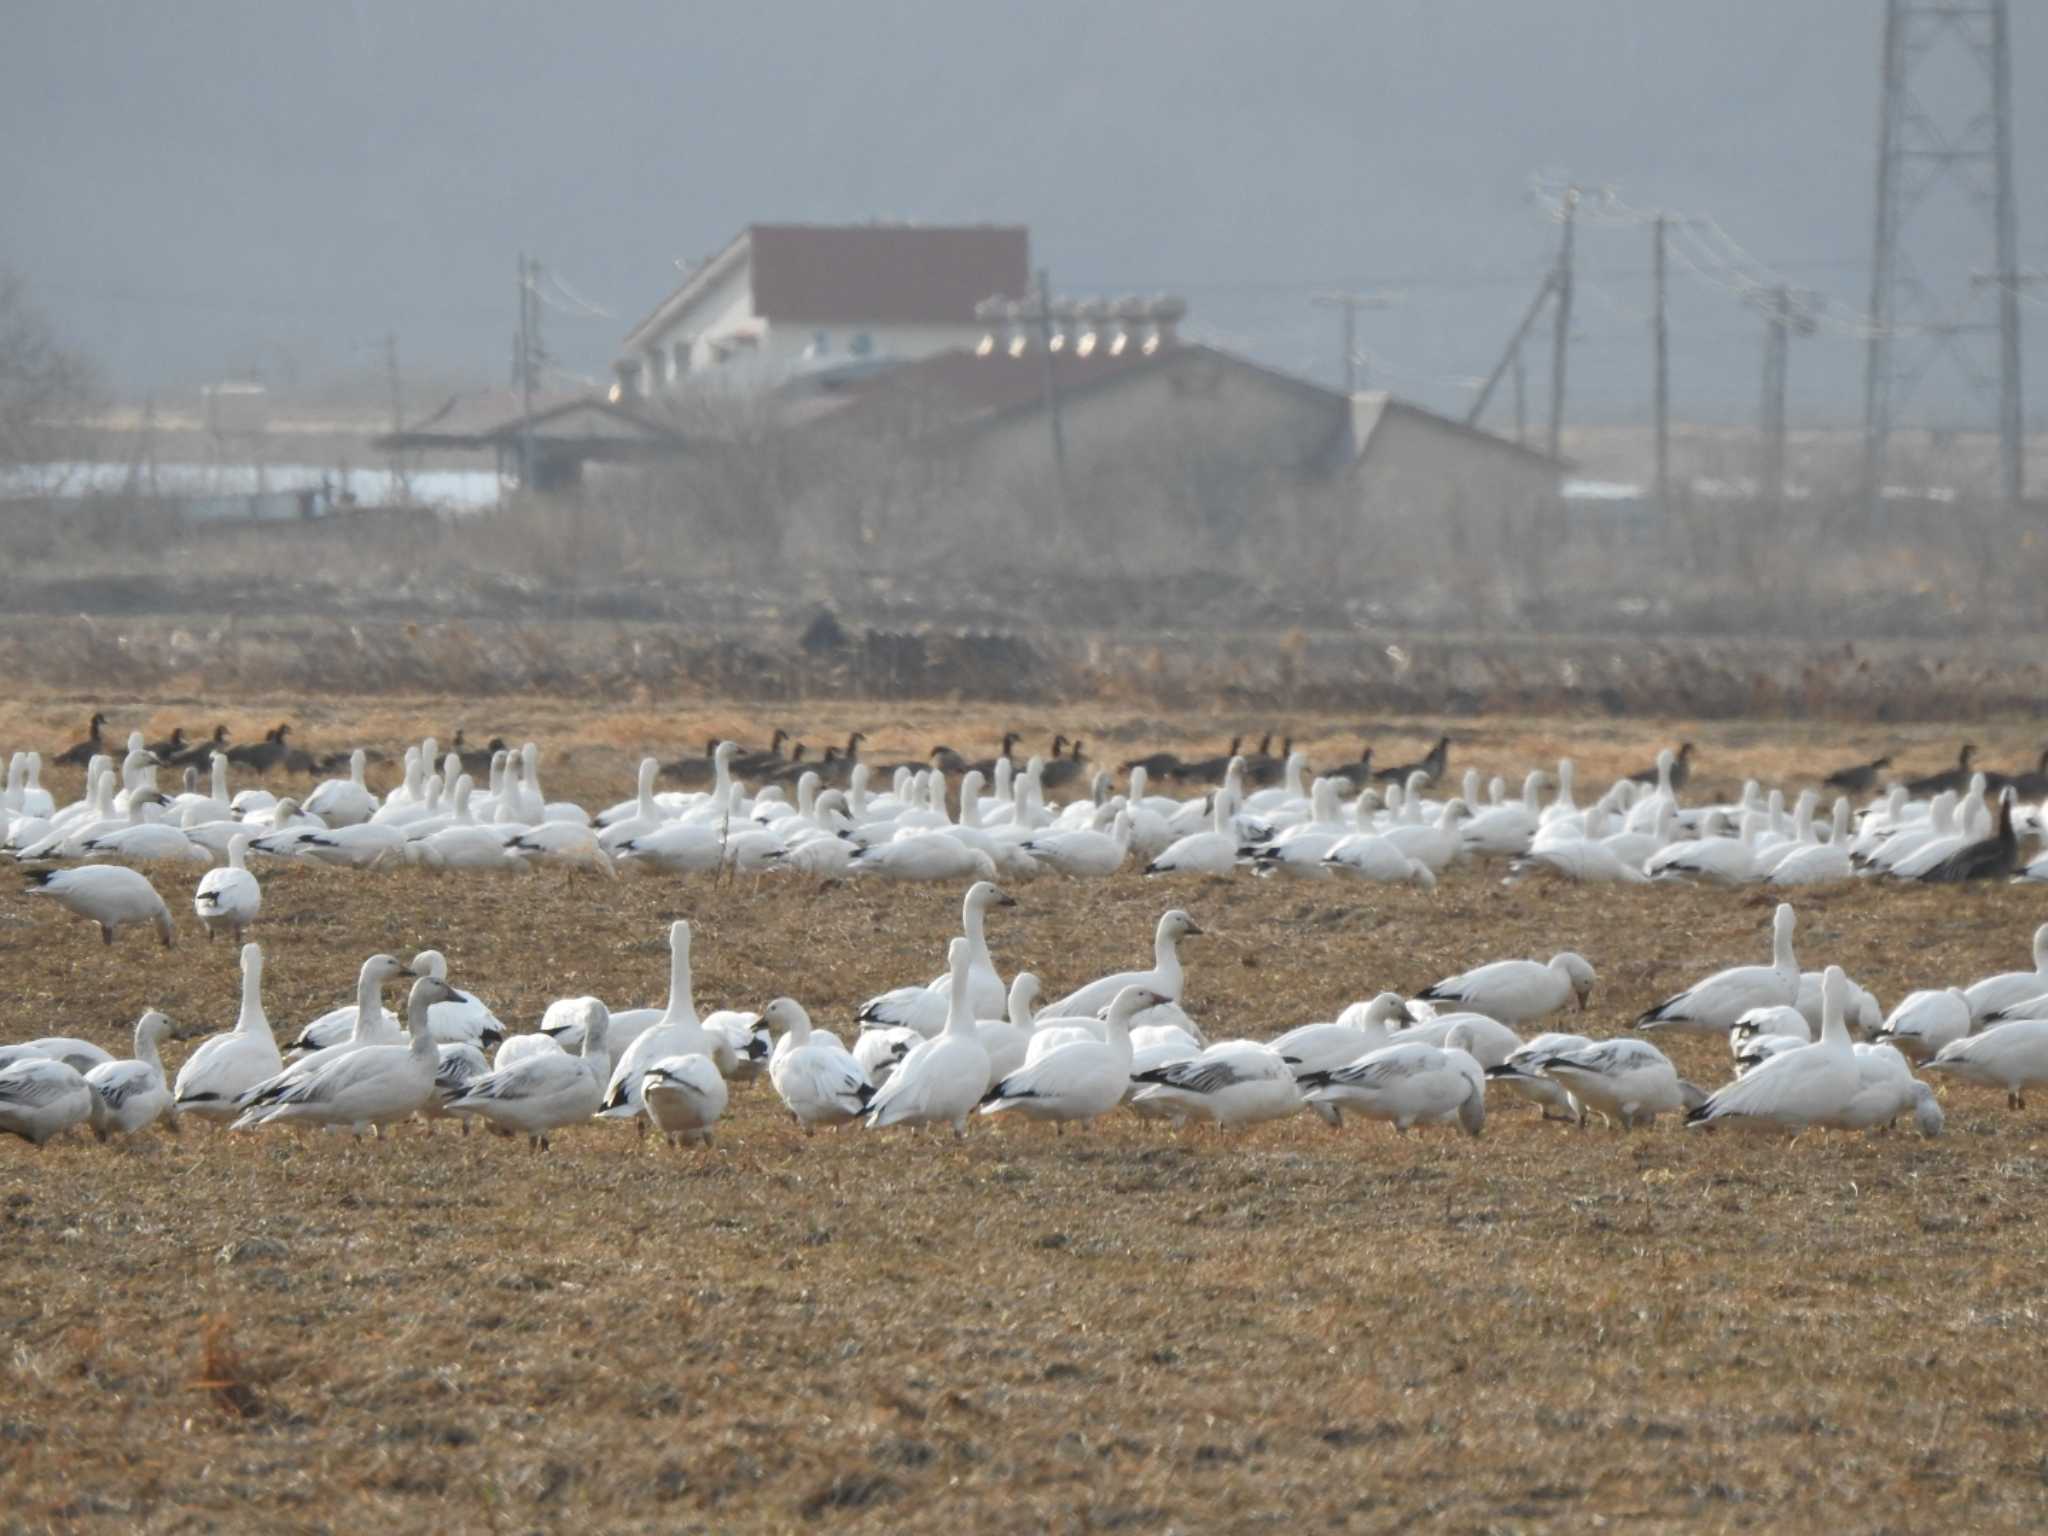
x: 942, y: 1079
x: 1713, y: 1005
x: 225, y: 1066
x: 1803, y: 1086
x: 676, y: 1032
x: 368, y: 1088
x: 925, y: 1008
x: 817, y: 1081
x: 1082, y: 1080
x: 128, y: 1095
x: 1166, y: 977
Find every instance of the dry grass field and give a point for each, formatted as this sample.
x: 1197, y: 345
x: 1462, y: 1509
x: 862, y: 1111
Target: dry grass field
x: 1288, y: 1327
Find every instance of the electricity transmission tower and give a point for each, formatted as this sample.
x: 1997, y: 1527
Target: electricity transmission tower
x: 1917, y: 318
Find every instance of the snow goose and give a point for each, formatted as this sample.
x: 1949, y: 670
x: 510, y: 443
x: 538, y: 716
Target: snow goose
x: 1234, y: 1082
x: 1408, y: 1083
x: 373, y: 1086
x: 1008, y: 1039
x: 818, y: 1082
x: 684, y: 1097
x: 880, y: 1048
x: 1485, y: 1039
x: 1885, y: 1090
x: 229, y: 897
x: 1805, y: 1085
x: 1819, y: 863
x: 1523, y: 1072
x: 1081, y: 1080
x: 1712, y: 1005
x: 225, y: 1066
x: 1358, y: 1031
x: 924, y: 1008
x: 107, y: 895
x: 128, y: 1095
x: 1775, y: 1019
x: 41, y: 1098
x: 642, y: 817
x: 1085, y: 854
x: 344, y: 802
x: 1584, y: 860
x: 1213, y: 852
x: 2010, y: 1056
x: 369, y: 1024
x: 2009, y: 988
x: 1507, y: 828
x: 1926, y: 1021
x: 1516, y: 991
x: 942, y: 1079
x: 467, y: 1019
x: 366, y: 1021
x: 540, y: 1092
x: 675, y: 1031
x: 928, y: 856
x: 1372, y: 856
x: 1166, y: 976
x: 460, y: 1065
x: 1631, y: 1082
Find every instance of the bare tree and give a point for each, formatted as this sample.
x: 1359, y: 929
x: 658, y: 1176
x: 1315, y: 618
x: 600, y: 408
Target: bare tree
x: 44, y: 386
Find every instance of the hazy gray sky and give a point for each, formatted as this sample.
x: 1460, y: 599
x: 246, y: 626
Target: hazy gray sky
x: 195, y: 187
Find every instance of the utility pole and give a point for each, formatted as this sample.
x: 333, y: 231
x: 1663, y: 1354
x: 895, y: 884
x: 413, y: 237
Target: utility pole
x: 1561, y: 331
x: 525, y: 370
x: 1784, y: 313
x: 1349, y: 304
x: 1052, y: 388
x: 1920, y: 313
x: 1661, y: 396
x: 1510, y: 357
x: 399, y: 488
x: 1521, y: 415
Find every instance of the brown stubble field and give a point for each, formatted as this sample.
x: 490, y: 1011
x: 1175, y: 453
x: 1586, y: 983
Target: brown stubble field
x: 1129, y: 1329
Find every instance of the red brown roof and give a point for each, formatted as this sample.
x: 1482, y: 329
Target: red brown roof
x: 886, y: 274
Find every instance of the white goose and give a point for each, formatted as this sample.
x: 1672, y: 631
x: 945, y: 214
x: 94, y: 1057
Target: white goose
x: 1083, y: 853
x: 373, y: 1087
x: 684, y: 1097
x: 2010, y: 1056
x: 1711, y: 1006
x: 1885, y: 1090
x: 226, y: 1066
x: 1212, y: 852
x: 1926, y: 1021
x: 229, y: 898
x: 924, y: 1008
x: 942, y: 1079
x: 1523, y: 1071
x: 2010, y: 988
x: 1008, y: 1039
x: 1166, y: 976
x: 78, y: 1055
x: 41, y: 1098
x: 1516, y: 991
x: 818, y: 1082
x: 1358, y: 1031
x: 1631, y: 1082
x: 1485, y: 1039
x: 539, y: 1093
x: 1408, y: 1084
x: 366, y: 1021
x: 344, y: 802
x: 1080, y: 1081
x: 106, y: 894
x: 1806, y: 1085
x: 1234, y: 1082
x: 676, y: 1031
x: 128, y: 1095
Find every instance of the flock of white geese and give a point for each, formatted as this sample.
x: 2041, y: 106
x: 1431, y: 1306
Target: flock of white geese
x: 965, y: 1042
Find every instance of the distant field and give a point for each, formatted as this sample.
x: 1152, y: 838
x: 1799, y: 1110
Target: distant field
x: 1128, y: 1330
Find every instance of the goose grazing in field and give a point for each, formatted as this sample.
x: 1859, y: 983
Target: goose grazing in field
x: 1523, y: 1071
x: 229, y: 898
x: 1358, y: 1031
x: 2010, y: 1056
x: 1166, y: 976
x: 930, y: 856
x: 371, y: 1087
x: 1516, y: 991
x: 1712, y: 1006
x: 128, y: 1095
x: 924, y: 1008
x: 1924, y: 1022
x: 1805, y: 1085
x: 1885, y: 1090
x: 1631, y: 1082
x: 676, y: 1031
x: 226, y: 1066
x: 2009, y: 988
x: 1486, y: 1040
x: 41, y: 1098
x: 818, y: 1082
x: 1408, y: 1084
x: 106, y: 894
x: 1233, y: 1082
x: 942, y: 1079
x: 540, y: 1092
x: 1081, y: 1080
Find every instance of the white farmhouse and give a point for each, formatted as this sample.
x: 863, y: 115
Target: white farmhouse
x: 783, y: 299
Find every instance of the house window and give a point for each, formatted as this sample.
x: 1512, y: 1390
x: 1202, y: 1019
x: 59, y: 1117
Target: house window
x: 861, y: 345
